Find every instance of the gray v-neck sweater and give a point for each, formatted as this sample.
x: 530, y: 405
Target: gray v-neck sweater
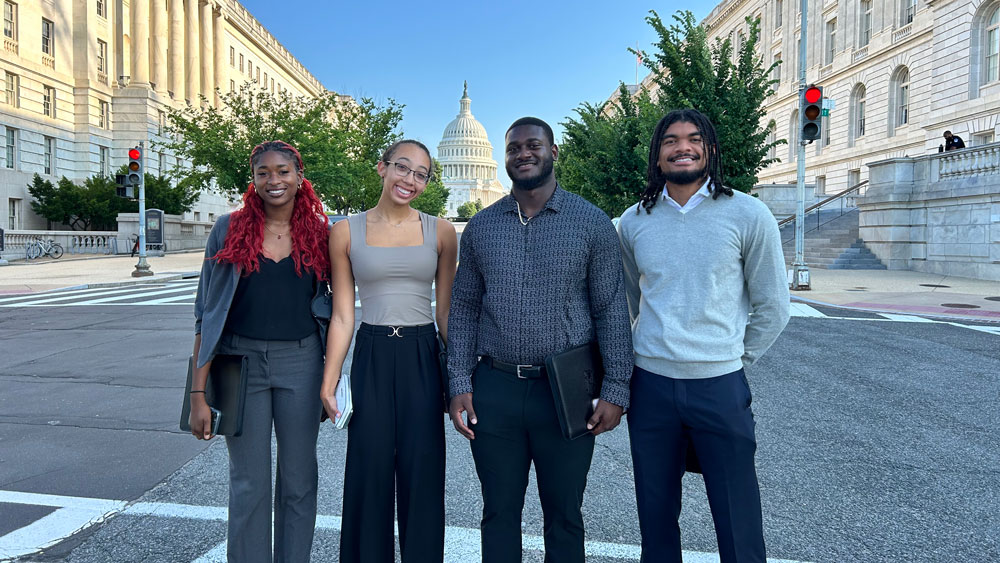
x: 707, y: 289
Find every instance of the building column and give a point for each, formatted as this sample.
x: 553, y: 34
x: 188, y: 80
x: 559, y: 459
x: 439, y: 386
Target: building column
x: 177, y: 48
x: 220, y: 53
x: 207, y: 52
x: 140, y: 42
x: 158, y: 22
x: 192, y: 65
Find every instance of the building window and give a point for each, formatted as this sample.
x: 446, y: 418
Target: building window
x: 241, y: 62
x: 232, y: 56
x: 12, y: 88
x: 902, y: 97
x: 161, y: 161
x: 161, y: 121
x: 49, y: 101
x: 11, y: 152
x: 776, y: 60
x: 264, y: 83
x: 48, y: 37
x: 105, y: 117
x: 14, y: 214
x: 272, y: 85
x: 49, y: 160
x: 102, y: 8
x: 103, y: 163
x: 993, y: 46
x: 853, y: 177
x: 232, y: 85
x: 778, y: 7
x: 858, y: 113
x: 102, y: 56
x: 820, y: 185
x: 865, y: 23
x: 10, y: 20
x: 909, y: 9
x: 983, y: 138
x: 831, y: 40
x: 258, y: 75
x: 250, y: 69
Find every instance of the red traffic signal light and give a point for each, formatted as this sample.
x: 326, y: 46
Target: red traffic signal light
x: 134, y: 154
x: 813, y: 94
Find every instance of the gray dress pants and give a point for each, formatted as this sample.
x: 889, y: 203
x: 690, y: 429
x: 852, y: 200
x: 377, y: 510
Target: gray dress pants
x: 283, y: 391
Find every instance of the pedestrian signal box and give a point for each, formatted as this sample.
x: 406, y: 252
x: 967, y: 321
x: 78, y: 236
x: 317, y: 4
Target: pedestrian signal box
x: 812, y: 112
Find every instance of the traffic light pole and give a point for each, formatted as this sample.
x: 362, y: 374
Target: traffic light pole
x: 800, y: 271
x: 142, y: 267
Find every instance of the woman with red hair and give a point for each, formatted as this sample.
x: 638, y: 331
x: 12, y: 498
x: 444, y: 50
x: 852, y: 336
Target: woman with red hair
x: 263, y: 265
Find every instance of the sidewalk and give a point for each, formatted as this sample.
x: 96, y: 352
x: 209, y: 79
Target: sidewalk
x: 888, y: 291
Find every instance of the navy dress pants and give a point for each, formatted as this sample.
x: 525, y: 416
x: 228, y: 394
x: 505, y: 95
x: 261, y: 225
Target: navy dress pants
x: 714, y: 416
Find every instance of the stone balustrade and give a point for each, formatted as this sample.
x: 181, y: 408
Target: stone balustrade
x: 73, y: 242
x: 938, y: 213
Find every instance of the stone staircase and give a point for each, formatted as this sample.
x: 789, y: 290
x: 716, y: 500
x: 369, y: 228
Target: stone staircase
x: 834, y: 246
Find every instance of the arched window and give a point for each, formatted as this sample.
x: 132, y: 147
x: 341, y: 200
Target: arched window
x: 992, y: 66
x: 857, y: 111
x: 899, y: 99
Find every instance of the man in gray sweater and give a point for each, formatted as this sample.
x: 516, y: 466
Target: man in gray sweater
x: 707, y: 293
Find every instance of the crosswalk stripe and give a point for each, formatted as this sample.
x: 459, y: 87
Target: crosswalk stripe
x: 61, y: 294
x: 461, y: 544
x: 87, y: 295
x: 163, y: 300
x: 906, y: 318
x: 134, y: 295
x: 803, y: 310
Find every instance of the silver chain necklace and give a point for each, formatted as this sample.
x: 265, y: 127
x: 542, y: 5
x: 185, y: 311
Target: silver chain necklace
x: 523, y: 221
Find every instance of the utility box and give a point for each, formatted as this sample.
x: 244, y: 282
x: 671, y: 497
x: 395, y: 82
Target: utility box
x: 154, y: 226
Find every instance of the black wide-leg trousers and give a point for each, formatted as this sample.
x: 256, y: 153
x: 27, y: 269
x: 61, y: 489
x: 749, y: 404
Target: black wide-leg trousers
x: 713, y: 415
x: 395, y: 448
x: 518, y: 425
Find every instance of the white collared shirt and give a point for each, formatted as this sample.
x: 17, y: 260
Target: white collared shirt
x: 697, y: 198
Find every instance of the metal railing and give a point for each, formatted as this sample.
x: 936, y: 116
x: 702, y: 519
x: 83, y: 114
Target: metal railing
x: 847, y: 200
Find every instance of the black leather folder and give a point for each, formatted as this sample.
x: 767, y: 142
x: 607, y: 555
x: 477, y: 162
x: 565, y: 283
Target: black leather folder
x: 575, y: 377
x: 225, y: 390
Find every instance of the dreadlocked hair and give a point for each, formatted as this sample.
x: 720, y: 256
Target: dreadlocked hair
x: 310, y: 236
x: 656, y: 179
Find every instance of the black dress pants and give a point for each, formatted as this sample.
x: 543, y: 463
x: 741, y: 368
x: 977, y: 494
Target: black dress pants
x: 395, y: 448
x: 517, y: 425
x: 714, y: 416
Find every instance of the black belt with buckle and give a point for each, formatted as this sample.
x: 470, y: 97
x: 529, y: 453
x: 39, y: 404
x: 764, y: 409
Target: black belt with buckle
x: 522, y: 371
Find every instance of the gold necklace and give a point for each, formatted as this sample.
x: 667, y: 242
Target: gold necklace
x: 523, y: 221
x: 391, y: 224
x: 279, y: 235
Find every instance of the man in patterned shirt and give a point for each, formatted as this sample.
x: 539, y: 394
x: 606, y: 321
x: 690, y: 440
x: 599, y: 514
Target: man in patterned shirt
x: 539, y: 273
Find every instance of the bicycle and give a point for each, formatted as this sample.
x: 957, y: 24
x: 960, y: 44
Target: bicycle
x: 135, y: 245
x: 39, y: 248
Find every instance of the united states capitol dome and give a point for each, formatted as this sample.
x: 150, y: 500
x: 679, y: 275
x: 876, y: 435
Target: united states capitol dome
x: 466, y: 156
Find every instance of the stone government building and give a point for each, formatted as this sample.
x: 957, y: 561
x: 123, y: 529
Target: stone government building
x: 84, y: 80
x: 901, y: 72
x: 466, y: 156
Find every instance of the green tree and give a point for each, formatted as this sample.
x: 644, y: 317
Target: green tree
x: 603, y: 153
x: 173, y: 200
x: 691, y: 74
x: 92, y: 206
x: 435, y: 196
x: 340, y: 141
x: 469, y: 208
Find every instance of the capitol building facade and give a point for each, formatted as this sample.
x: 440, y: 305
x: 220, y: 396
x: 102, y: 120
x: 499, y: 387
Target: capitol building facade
x: 466, y: 156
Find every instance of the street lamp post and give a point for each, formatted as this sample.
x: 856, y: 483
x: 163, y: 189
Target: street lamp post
x: 800, y: 271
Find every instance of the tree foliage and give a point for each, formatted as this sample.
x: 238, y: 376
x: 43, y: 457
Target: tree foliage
x: 340, y: 141
x: 435, y: 197
x: 469, y: 208
x: 94, y: 205
x: 604, y: 152
x: 691, y: 74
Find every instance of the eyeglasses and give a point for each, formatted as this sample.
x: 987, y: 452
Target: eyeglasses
x: 403, y: 170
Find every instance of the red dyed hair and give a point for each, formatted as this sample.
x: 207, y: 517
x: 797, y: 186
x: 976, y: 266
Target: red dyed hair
x: 310, y: 234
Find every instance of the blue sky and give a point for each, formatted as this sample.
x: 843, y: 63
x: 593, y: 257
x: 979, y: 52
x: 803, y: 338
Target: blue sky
x: 519, y: 57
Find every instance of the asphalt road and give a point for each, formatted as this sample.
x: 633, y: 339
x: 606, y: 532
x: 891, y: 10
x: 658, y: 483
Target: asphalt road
x: 877, y: 442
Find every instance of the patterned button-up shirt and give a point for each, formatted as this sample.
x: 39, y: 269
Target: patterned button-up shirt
x: 524, y: 292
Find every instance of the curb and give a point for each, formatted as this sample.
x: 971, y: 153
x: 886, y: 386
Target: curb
x: 151, y: 279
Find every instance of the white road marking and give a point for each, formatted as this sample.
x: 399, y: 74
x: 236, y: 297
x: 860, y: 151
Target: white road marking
x: 164, y: 300
x: 28, y: 296
x: 76, y: 513
x: 47, y: 297
x: 906, y: 318
x: 803, y: 310
x: 85, y: 296
x: 187, y: 291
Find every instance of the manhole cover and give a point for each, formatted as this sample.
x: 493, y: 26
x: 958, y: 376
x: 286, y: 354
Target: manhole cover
x: 959, y: 306
x: 992, y: 298
x: 933, y: 285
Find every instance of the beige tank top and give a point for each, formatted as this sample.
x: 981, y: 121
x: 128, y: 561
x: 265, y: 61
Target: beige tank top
x: 394, y: 283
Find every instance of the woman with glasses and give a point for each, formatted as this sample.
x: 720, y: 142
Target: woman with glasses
x: 395, y: 450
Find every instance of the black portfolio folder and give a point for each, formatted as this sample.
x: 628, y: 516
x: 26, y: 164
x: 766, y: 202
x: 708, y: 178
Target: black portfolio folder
x: 575, y: 377
x: 225, y: 390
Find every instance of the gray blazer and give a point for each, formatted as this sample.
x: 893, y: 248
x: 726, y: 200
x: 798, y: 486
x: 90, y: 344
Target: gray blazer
x: 216, y: 289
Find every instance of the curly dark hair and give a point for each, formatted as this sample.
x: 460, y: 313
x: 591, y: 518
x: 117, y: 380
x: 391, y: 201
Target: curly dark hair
x: 655, y: 178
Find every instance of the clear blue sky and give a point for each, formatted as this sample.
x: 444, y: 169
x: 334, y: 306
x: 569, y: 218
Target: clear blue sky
x: 520, y: 57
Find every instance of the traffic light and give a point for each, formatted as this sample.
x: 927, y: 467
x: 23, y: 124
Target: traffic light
x: 812, y: 111
x: 122, y: 187
x: 134, y: 172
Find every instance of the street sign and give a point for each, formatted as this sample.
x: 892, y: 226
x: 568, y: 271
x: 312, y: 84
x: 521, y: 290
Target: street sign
x: 825, y: 113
